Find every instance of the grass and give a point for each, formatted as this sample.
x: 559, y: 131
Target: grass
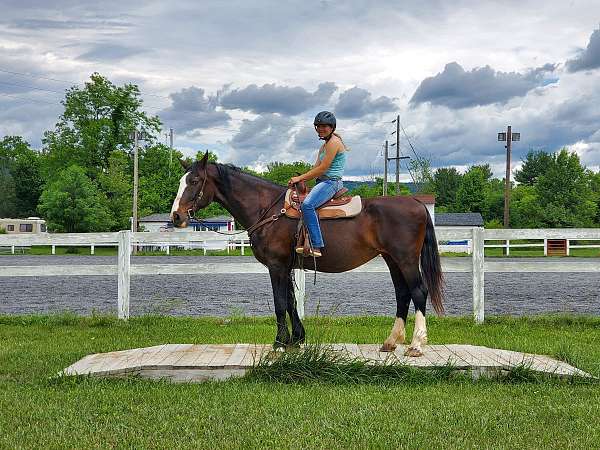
x: 327, y: 410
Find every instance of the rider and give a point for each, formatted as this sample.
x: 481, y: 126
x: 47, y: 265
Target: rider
x: 328, y: 170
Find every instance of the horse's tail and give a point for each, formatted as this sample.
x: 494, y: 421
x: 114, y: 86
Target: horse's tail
x: 432, y: 267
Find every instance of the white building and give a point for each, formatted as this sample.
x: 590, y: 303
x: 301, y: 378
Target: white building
x: 162, y: 222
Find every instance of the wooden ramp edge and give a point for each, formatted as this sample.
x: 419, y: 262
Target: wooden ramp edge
x: 201, y: 362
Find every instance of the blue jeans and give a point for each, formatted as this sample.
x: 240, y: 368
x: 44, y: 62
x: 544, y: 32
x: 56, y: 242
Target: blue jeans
x: 321, y: 193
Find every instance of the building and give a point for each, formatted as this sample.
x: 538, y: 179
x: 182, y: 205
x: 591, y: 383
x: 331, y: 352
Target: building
x: 162, y: 222
x: 458, y: 220
x: 31, y: 225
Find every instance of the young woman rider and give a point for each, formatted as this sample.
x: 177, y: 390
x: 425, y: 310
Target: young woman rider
x: 328, y: 170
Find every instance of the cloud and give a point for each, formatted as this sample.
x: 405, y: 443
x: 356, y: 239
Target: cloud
x: 105, y: 51
x: 357, y: 102
x: 271, y: 98
x: 71, y: 24
x: 263, y: 139
x: 456, y: 88
x: 589, y: 58
x: 191, y: 109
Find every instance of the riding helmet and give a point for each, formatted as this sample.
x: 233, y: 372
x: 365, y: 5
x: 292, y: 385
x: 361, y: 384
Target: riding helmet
x: 325, y: 118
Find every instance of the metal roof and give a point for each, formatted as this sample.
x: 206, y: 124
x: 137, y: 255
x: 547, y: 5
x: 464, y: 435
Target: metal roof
x: 459, y: 219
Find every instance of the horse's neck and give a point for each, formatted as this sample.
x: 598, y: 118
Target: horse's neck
x: 246, y: 197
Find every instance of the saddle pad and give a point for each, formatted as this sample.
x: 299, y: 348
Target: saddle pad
x: 350, y: 209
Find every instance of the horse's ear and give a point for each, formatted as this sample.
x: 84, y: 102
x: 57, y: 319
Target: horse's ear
x: 184, y: 164
x: 204, y: 160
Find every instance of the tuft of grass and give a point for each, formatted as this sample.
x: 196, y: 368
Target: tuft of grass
x: 323, y: 363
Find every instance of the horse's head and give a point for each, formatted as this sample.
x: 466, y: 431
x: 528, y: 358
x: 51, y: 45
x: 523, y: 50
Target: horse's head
x: 196, y: 191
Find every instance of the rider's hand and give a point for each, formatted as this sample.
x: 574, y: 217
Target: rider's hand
x: 294, y: 180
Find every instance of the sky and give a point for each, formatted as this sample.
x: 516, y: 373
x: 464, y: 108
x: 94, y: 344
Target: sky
x: 245, y: 79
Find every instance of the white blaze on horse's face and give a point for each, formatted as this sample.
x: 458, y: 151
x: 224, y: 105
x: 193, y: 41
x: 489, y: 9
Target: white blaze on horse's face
x: 182, y: 186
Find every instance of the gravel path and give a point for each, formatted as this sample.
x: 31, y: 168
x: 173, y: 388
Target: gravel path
x: 250, y: 294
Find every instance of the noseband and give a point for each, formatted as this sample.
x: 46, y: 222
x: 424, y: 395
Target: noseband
x: 194, y: 208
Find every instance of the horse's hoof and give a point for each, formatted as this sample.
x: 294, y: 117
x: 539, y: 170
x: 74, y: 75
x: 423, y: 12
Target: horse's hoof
x: 277, y: 345
x: 386, y: 348
x: 413, y: 352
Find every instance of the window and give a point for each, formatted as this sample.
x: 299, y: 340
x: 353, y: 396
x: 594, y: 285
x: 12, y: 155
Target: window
x: 43, y: 227
x: 10, y: 228
x: 26, y: 227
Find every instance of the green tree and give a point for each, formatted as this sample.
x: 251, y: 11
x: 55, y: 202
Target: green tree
x: 535, y: 164
x: 23, y: 166
x: 72, y: 203
x: 446, y: 181
x: 116, y: 184
x: 281, y: 173
x: 96, y: 121
x: 421, y: 172
x: 471, y: 194
x: 565, y: 192
x: 8, y: 205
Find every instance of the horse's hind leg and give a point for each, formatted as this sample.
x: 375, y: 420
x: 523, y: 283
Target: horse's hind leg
x: 418, y: 292
x: 398, y: 334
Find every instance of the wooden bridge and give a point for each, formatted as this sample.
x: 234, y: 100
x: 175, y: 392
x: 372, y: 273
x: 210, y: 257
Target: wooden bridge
x: 201, y: 362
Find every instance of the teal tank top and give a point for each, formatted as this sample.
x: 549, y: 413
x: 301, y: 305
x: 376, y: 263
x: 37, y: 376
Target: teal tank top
x: 336, y: 169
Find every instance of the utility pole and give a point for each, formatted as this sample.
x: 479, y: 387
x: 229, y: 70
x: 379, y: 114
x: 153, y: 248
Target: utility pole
x: 398, y: 157
x: 508, y: 137
x: 385, y: 169
x: 170, y: 151
x: 135, y: 181
x: 136, y: 136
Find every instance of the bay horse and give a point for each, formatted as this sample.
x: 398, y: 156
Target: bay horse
x: 397, y: 228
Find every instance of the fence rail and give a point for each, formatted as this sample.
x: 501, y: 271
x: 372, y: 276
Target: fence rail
x: 477, y: 265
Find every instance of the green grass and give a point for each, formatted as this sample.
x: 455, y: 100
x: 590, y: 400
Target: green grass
x: 326, y: 412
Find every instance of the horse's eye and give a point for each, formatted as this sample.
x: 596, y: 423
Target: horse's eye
x: 195, y: 180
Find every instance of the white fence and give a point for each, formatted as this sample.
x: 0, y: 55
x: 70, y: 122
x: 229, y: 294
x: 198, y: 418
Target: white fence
x: 476, y: 264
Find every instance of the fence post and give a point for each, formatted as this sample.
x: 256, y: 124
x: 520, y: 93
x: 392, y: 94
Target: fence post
x: 299, y: 291
x: 478, y: 274
x: 54, y: 249
x: 92, y: 249
x: 124, y: 273
x: 508, y: 247
x: 12, y: 249
x: 568, y: 247
x: 545, y: 246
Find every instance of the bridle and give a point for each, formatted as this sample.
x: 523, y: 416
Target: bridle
x: 192, y: 211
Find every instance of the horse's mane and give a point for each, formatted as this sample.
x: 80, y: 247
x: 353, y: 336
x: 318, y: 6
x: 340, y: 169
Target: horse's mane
x: 226, y: 169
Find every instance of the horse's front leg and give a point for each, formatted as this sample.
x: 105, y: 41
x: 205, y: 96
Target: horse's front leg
x: 279, y: 282
x: 298, y: 334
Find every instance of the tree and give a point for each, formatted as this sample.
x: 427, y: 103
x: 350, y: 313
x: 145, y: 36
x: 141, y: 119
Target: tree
x: 8, y: 205
x: 446, y: 181
x: 72, y: 203
x: 23, y: 165
x: 96, y: 121
x: 420, y: 170
x: 565, y: 193
x: 116, y: 184
x: 281, y: 173
x: 535, y: 164
x: 470, y: 196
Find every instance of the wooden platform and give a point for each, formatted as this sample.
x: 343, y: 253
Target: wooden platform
x: 200, y: 362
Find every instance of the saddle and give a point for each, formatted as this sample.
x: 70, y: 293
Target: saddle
x: 338, y: 207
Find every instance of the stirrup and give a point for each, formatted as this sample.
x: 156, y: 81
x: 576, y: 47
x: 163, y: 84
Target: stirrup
x: 311, y: 252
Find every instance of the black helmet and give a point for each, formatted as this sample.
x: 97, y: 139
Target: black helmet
x: 325, y: 118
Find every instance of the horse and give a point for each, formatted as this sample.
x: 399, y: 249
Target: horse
x: 398, y: 228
